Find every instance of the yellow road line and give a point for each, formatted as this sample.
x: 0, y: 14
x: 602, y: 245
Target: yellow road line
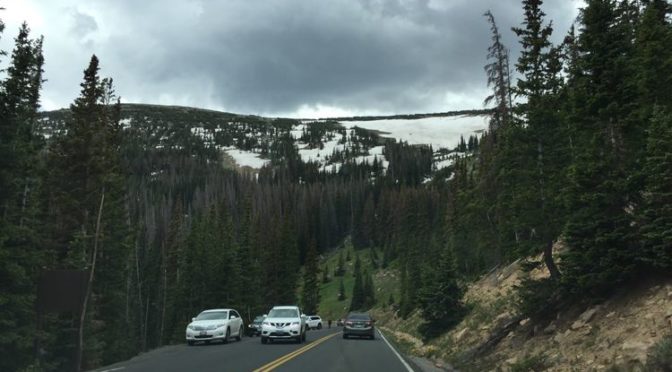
x: 285, y: 358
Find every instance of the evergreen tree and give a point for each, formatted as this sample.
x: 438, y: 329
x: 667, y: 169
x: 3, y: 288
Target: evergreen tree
x: 20, y: 253
x: 325, y: 274
x: 341, y: 291
x: 656, y: 213
x: 653, y: 56
x: 441, y: 300
x: 340, y: 269
x: 369, y: 291
x: 310, y: 292
x: 85, y: 168
x: 542, y: 162
x: 499, y: 77
x: 599, y: 229
x: 358, y: 294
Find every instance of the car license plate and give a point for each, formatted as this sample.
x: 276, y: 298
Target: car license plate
x: 203, y: 333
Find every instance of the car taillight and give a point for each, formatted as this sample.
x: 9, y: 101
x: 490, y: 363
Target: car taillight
x: 348, y: 323
x: 368, y: 324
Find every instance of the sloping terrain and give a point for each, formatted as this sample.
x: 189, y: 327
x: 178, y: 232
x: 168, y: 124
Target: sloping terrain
x: 248, y: 141
x: 619, y: 334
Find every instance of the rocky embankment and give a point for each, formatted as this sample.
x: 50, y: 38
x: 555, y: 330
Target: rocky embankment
x: 622, y: 333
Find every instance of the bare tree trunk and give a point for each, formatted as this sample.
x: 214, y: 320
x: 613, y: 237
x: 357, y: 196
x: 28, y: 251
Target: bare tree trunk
x: 165, y: 290
x: 144, y: 336
x: 548, y: 248
x: 24, y: 202
x: 140, y: 307
x: 80, y: 343
x: 548, y: 260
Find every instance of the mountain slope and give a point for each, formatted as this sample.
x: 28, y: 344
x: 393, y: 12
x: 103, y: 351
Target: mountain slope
x: 250, y: 140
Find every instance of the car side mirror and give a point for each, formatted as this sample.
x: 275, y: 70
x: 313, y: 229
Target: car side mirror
x: 265, y: 315
x: 193, y: 319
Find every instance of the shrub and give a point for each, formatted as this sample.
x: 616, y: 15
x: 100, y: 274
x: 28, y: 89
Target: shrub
x: 531, y: 363
x: 536, y: 297
x: 660, y: 356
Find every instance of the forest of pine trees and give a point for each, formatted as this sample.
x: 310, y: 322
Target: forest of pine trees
x: 578, y: 151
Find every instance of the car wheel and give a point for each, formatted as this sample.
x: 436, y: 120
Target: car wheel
x: 345, y: 335
x: 226, y: 337
x: 240, y: 334
x: 190, y: 343
x: 264, y: 340
x: 373, y: 336
x: 319, y: 325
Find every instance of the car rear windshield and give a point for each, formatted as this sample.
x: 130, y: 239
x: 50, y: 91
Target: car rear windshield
x: 213, y: 315
x: 283, y: 313
x: 314, y: 317
x: 359, y: 317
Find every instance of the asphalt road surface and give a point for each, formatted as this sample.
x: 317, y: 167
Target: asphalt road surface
x: 325, y: 350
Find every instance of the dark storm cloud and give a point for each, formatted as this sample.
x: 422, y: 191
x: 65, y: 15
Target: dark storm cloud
x: 284, y: 55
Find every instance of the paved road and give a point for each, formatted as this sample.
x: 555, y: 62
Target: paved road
x: 325, y: 350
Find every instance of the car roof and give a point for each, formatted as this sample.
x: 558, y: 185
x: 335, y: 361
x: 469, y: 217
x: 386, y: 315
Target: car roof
x: 285, y: 307
x: 215, y: 310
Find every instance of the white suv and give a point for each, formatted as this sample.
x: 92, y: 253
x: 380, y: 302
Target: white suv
x: 215, y: 324
x: 284, y: 323
x: 314, y: 322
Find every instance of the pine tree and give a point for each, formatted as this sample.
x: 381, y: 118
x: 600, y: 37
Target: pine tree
x: 310, y: 292
x: 357, y: 302
x: 653, y: 56
x: 20, y: 251
x: 541, y: 165
x: 341, y: 291
x: 441, y: 300
x: 369, y: 291
x: 340, y: 269
x: 656, y: 212
x: 325, y: 274
x: 499, y: 77
x: 599, y: 230
x: 85, y: 168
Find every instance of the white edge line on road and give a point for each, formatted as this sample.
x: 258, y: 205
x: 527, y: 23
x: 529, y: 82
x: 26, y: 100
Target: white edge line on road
x: 113, y: 369
x: 408, y: 367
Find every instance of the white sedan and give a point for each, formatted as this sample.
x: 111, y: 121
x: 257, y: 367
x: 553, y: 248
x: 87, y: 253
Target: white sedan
x: 215, y: 324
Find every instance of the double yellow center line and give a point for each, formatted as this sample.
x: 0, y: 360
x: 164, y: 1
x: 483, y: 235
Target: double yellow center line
x: 284, y: 359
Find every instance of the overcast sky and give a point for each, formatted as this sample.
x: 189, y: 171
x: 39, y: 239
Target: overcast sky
x: 302, y: 58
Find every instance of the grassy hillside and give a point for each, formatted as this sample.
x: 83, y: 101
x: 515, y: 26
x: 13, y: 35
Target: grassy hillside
x: 385, y: 281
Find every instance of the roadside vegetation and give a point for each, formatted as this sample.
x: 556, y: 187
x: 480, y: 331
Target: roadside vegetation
x: 138, y: 197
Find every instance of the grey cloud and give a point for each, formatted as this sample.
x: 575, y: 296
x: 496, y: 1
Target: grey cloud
x: 83, y: 25
x: 276, y: 56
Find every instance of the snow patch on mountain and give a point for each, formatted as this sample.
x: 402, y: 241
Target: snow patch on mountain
x: 436, y: 131
x: 246, y: 158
